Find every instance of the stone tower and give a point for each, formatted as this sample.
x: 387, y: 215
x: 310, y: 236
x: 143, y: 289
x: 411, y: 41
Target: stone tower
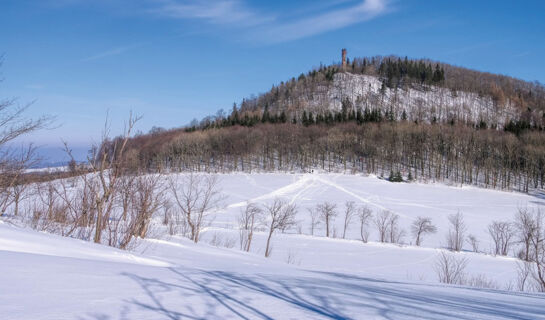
x: 344, y: 58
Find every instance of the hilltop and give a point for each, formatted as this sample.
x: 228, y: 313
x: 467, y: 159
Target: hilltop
x: 412, y: 119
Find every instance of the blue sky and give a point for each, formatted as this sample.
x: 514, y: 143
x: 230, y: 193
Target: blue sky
x: 175, y: 60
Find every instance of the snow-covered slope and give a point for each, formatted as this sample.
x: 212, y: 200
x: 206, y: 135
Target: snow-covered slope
x: 209, y: 283
x: 422, y: 105
x: 43, y: 276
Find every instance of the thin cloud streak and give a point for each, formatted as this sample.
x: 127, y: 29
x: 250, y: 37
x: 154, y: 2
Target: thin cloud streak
x: 269, y: 28
x: 112, y: 52
x: 226, y: 12
x: 325, y: 22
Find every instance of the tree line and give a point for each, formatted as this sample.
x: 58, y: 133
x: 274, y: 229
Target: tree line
x: 451, y: 153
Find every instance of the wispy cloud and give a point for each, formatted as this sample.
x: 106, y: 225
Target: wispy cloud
x: 231, y: 12
x: 112, y: 52
x: 324, y: 22
x: 271, y: 28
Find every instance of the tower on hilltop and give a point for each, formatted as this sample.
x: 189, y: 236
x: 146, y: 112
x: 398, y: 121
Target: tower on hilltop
x: 344, y: 58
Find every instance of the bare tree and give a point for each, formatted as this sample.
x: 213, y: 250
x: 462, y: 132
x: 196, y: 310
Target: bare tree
x: 349, y: 212
x: 12, y: 182
x: 456, y: 233
x: 420, y: 227
x: 382, y: 221
x: 314, y: 220
x: 327, y: 214
x: 196, y: 197
x: 20, y: 194
x: 146, y: 200
x: 395, y: 232
x: 106, y: 163
x: 524, y: 272
x: 365, y: 215
x: 248, y: 221
x: 13, y: 162
x: 538, y: 250
x: 449, y: 268
x: 525, y: 228
x: 473, y: 242
x: 281, y: 215
x: 501, y: 233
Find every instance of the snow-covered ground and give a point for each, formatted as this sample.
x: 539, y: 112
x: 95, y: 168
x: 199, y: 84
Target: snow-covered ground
x: 43, y: 276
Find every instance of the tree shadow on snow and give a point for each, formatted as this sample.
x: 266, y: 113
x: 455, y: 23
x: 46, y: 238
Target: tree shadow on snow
x: 197, y: 294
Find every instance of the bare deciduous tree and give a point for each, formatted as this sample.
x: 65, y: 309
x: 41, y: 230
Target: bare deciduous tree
x: 314, y: 220
x: 501, y: 233
x: 420, y: 227
x: 282, y: 216
x: 106, y: 164
x: 524, y: 272
x: 365, y: 215
x: 327, y: 214
x: 456, y: 233
x: 449, y: 268
x: 13, y: 163
x: 394, y: 231
x: 525, y: 228
x: 538, y: 250
x: 349, y: 212
x: 473, y: 242
x: 196, y: 197
x: 248, y: 220
x: 382, y: 221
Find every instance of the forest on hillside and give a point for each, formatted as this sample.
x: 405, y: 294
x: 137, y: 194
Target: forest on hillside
x: 272, y: 132
x: 496, y: 99
x: 453, y: 153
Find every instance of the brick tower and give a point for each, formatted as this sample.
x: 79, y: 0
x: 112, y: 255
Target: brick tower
x: 344, y: 58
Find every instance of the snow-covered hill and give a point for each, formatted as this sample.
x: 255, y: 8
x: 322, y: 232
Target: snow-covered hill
x: 421, y: 104
x: 307, y: 277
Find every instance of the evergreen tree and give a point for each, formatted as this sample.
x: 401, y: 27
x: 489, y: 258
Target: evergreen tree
x: 234, y: 115
x: 266, y: 116
x: 304, y: 118
x: 359, y: 117
x: 283, y: 117
x: 310, y: 118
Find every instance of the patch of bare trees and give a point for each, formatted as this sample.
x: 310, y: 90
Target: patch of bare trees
x: 106, y: 202
x: 502, y: 234
x: 457, y: 154
x: 196, y: 197
x: 15, y: 161
x: 449, y: 268
x: 388, y: 227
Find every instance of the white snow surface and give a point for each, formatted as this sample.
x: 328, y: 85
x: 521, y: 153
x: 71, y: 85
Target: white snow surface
x: 44, y: 276
x: 422, y: 105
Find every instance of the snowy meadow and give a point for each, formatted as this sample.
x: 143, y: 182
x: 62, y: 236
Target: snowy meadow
x: 350, y: 274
